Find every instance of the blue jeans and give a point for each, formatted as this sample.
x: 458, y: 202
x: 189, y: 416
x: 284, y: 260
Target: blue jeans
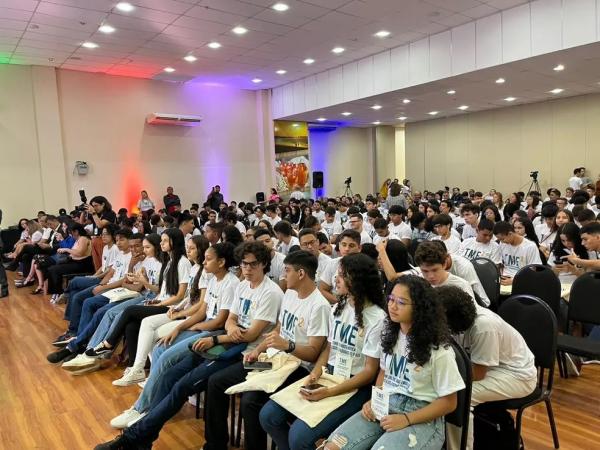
x: 360, y: 434
x: 75, y: 307
x: 90, y: 306
x: 163, y: 358
x: 76, y: 285
x: 291, y: 433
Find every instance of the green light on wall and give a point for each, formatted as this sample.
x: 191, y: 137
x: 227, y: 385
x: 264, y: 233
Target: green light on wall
x: 4, y: 57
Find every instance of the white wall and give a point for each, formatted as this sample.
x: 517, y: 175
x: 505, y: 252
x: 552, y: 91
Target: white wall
x: 499, y: 148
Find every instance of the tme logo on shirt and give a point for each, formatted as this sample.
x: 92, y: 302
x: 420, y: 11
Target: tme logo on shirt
x: 396, y: 374
x: 288, y: 324
x: 345, y: 333
x: 513, y: 261
x: 471, y: 253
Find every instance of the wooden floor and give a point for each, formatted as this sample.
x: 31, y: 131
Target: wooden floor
x: 44, y: 407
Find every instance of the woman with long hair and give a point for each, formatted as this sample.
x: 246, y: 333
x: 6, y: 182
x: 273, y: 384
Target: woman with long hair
x: 231, y: 234
x: 393, y: 261
x: 361, y: 310
x: 491, y: 213
x: 418, y: 376
x: 569, y: 243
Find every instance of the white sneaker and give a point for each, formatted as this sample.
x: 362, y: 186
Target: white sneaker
x: 79, y: 362
x: 572, y: 369
x: 137, y: 419
x: 142, y: 384
x: 130, y: 377
x: 124, y: 418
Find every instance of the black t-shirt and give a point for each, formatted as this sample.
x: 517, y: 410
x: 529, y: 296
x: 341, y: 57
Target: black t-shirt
x: 111, y: 216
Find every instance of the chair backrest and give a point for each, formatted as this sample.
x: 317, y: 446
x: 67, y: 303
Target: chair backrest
x: 541, y: 282
x: 584, y: 300
x: 460, y: 416
x: 489, y: 276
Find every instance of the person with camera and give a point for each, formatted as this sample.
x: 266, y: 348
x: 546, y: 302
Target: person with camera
x: 100, y: 211
x: 215, y: 198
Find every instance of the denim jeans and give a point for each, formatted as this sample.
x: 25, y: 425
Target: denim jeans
x: 163, y: 358
x: 90, y: 306
x: 357, y: 433
x: 76, y: 285
x: 291, y: 433
x: 75, y: 307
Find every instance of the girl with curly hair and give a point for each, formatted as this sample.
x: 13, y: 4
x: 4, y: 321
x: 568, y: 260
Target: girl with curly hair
x: 418, y: 375
x: 354, y: 331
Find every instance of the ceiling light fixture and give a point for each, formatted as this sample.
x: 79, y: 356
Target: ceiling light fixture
x: 281, y: 72
x: 376, y: 107
x: 190, y: 58
x: 402, y: 118
x: 346, y: 113
x: 106, y: 29
x: 510, y: 99
x: 256, y: 80
x: 377, y: 122
x: 451, y: 92
x: 559, y: 68
x: 463, y: 107
x: 338, y: 50
x: 321, y: 119
x: 382, y: 34
x: 406, y: 101
x: 214, y: 45
x: 240, y: 30
x: 125, y: 7
x: 308, y: 61
x: 169, y: 69
x: 500, y: 81
x: 280, y: 7
x: 433, y: 113
x: 296, y: 125
x: 556, y: 91
x: 89, y: 45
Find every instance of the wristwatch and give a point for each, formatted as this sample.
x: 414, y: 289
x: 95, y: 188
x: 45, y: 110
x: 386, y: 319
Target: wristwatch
x: 291, y: 347
x: 215, y: 340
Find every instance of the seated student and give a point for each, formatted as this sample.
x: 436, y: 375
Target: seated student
x: 253, y: 313
x: 45, y: 246
x: 277, y: 268
x: 517, y: 252
x: 348, y: 242
x: 382, y: 232
x: 231, y: 218
x: 185, y: 223
x: 174, y: 280
x: 432, y: 259
x: 271, y: 215
x: 143, y: 279
x: 546, y: 230
x: 113, y: 279
x: 419, y: 224
x: 309, y: 241
x: 503, y: 365
x: 585, y: 217
x: 482, y: 245
x: 393, y: 260
x: 418, y: 375
x: 470, y: 214
x: 330, y: 225
x: 301, y: 330
x: 208, y: 320
x: 356, y: 223
x: 285, y: 235
x: 325, y: 246
x: 567, y: 243
x: 362, y: 312
x: 590, y: 238
x: 442, y: 227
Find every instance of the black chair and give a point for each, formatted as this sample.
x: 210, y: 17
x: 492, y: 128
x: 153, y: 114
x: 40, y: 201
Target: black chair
x: 460, y: 416
x: 536, y: 322
x: 489, y: 276
x: 541, y: 282
x: 584, y: 306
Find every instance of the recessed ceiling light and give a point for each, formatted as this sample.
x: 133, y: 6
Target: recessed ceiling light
x: 500, y: 80
x: 556, y: 91
x: 308, y: 61
x: 338, y: 50
x: 281, y: 72
x: 256, y: 80
x: 169, y: 69
x: 510, y: 99
x: 559, y: 68
x: 406, y: 101
x: 89, y: 45
x: 280, y: 7
x: 106, y: 29
x: 190, y: 58
x: 295, y: 125
x: 125, y: 7
x: 463, y: 107
x: 377, y: 122
x: 382, y: 34
x: 346, y: 113
x: 321, y: 119
x: 451, y: 92
x: 240, y: 30
x: 376, y: 107
x: 433, y: 113
x: 214, y: 45
x: 402, y: 118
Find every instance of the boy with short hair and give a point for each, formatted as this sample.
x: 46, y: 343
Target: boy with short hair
x: 516, y: 251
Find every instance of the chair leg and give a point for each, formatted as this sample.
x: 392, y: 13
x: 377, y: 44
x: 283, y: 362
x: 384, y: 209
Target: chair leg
x: 197, y: 405
x: 518, y: 427
x: 564, y: 364
x: 552, y: 423
x: 561, y: 370
x: 238, y: 440
x: 232, y: 420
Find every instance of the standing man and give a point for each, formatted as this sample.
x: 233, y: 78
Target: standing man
x: 171, y: 201
x: 3, y: 280
x: 215, y: 198
x: 575, y: 181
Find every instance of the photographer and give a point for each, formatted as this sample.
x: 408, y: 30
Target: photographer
x: 100, y: 211
x: 3, y: 280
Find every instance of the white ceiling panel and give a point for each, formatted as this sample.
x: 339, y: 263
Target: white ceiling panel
x: 25, y: 5
x: 231, y: 6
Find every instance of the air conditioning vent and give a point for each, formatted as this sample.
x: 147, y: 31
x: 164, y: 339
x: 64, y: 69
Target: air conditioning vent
x: 185, y: 120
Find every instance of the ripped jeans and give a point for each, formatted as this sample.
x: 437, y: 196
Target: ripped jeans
x: 357, y: 433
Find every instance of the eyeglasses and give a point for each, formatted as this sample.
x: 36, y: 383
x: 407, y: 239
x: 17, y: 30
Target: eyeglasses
x: 399, y: 301
x: 252, y: 264
x: 308, y: 244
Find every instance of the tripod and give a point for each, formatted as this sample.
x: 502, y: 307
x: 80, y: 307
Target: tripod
x: 348, y: 192
x: 534, y: 186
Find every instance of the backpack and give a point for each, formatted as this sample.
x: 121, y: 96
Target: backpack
x: 494, y: 429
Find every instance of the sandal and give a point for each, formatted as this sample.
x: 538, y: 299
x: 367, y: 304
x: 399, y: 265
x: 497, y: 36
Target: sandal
x: 23, y: 283
x: 37, y: 291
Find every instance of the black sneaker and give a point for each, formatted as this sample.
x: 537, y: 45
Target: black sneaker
x: 59, y: 355
x: 63, y: 340
x: 118, y: 443
x: 99, y: 351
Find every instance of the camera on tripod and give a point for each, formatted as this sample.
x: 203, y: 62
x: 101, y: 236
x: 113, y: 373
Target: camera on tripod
x: 534, y: 174
x: 348, y: 181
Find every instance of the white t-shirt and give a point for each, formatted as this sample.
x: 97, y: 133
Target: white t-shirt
x: 452, y: 243
x: 471, y: 249
x: 401, y: 231
x: 120, y: 266
x: 323, y: 263
x: 320, y: 215
x: 347, y: 339
x: 108, y: 256
x: 545, y: 235
x: 240, y: 226
x: 273, y: 220
x: 277, y: 270
x: 377, y: 239
x: 152, y: 268
x: 493, y: 343
x: 183, y: 274
x: 463, y: 268
x: 515, y: 258
x: 330, y: 272
x: 37, y: 237
x: 575, y: 182
x: 454, y: 280
x: 365, y: 238
x: 186, y: 302
x: 220, y: 294
x: 260, y: 303
x: 437, y: 378
x: 285, y: 248
x: 468, y: 231
x: 332, y: 229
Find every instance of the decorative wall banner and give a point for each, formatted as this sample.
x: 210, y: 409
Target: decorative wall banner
x: 292, y: 164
